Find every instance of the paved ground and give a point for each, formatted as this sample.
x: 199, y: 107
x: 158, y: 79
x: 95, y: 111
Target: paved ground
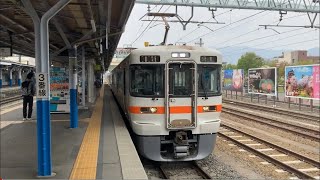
x: 19, y: 147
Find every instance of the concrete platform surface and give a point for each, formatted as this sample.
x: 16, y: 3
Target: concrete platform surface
x: 117, y: 156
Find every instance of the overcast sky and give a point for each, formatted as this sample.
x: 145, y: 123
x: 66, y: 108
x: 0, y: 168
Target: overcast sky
x: 241, y: 29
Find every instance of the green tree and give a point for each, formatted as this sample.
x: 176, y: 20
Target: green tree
x: 229, y: 66
x: 250, y: 60
x: 304, y: 62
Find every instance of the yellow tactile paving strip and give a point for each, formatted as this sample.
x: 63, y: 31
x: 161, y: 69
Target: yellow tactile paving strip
x: 85, y: 166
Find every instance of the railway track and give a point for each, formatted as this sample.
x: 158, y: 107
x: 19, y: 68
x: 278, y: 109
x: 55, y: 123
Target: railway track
x: 285, y: 126
x: 190, y: 167
x: 9, y: 100
x: 291, y: 114
x: 299, y: 165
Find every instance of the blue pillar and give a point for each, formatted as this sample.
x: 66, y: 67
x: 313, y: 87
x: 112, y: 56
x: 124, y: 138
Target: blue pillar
x: 19, y: 77
x: 43, y: 104
x: 44, y: 137
x: 10, y: 77
x: 0, y: 78
x: 73, y: 88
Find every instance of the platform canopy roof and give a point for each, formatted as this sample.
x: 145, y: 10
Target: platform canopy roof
x: 73, y: 25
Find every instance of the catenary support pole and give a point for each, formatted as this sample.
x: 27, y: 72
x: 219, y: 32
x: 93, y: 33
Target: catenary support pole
x: 19, y: 77
x: 83, y: 73
x: 73, y: 88
x: 10, y: 77
x: 42, y: 67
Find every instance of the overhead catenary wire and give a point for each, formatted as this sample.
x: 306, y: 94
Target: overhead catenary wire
x: 146, y: 28
x: 198, y: 27
x: 226, y: 26
x: 144, y: 21
x: 260, y: 38
x: 272, y: 47
x: 241, y: 35
x: 233, y: 52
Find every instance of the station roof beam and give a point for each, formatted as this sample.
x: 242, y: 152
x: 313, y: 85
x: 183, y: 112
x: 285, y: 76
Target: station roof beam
x: 79, y: 20
x: 306, y: 6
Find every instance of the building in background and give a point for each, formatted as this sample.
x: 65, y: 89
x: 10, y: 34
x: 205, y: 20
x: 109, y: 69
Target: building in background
x: 293, y: 57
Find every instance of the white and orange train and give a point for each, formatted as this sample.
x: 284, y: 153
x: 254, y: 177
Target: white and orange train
x: 171, y: 96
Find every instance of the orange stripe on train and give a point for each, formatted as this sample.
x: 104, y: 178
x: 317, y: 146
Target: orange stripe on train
x: 173, y: 109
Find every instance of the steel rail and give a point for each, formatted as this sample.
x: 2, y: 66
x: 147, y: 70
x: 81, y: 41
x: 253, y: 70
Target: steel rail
x: 194, y: 165
x: 260, y: 119
x: 278, y: 148
x: 199, y: 169
x: 268, y: 158
x: 279, y: 111
x: 10, y: 99
x: 163, y: 172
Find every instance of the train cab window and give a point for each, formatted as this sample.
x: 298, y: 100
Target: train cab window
x: 209, y: 80
x: 147, y: 80
x: 180, y: 80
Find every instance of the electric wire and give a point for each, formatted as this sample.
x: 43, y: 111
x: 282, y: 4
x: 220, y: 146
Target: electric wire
x: 270, y: 48
x: 226, y: 25
x: 263, y: 43
x: 241, y: 35
x: 198, y: 27
x: 146, y: 28
x: 260, y: 38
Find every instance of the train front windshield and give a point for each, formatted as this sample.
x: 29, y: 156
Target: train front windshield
x: 148, y: 81
x: 209, y: 80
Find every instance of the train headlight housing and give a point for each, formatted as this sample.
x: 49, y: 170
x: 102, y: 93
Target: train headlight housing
x: 153, y: 109
x: 148, y: 109
x: 209, y: 108
x: 180, y: 55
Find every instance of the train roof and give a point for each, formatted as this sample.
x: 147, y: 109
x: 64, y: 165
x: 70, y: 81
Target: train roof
x: 174, y: 48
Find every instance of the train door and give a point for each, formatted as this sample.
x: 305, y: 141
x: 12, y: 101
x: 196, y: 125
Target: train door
x: 181, y: 94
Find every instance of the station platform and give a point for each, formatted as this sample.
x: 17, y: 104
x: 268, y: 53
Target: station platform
x: 100, y: 148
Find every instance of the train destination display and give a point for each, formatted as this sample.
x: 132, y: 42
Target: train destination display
x: 262, y: 81
x: 303, y: 81
x: 233, y: 80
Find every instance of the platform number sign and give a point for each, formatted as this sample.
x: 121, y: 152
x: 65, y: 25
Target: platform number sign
x: 42, y: 85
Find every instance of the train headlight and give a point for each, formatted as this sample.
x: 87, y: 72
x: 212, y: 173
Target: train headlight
x: 180, y: 55
x: 205, y: 108
x: 209, y: 108
x: 148, y: 109
x: 153, y: 109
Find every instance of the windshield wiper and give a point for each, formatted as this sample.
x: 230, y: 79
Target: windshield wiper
x: 204, y: 89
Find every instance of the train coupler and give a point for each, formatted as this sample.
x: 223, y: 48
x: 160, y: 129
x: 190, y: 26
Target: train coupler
x: 181, y: 145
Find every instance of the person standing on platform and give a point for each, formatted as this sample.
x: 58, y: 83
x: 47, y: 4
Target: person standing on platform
x: 28, y: 91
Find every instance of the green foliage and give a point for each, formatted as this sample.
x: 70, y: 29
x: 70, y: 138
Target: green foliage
x: 281, y: 69
x: 250, y: 60
x: 229, y: 66
x: 304, y: 62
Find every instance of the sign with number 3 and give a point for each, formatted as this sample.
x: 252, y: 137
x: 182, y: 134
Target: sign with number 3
x: 42, y: 85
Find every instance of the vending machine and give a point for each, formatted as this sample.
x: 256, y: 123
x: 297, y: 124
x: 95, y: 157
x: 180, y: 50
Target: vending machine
x: 59, y: 88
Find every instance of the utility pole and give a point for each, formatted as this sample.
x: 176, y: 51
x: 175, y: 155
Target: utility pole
x: 200, y: 43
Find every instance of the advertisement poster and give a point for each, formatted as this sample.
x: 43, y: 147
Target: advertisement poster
x: 263, y: 81
x: 303, y: 81
x: 233, y: 80
x: 59, y: 87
